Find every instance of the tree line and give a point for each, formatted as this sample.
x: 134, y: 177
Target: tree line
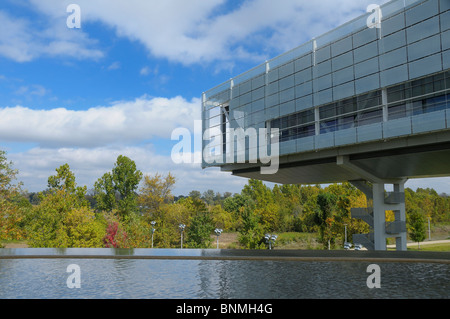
x: 118, y: 212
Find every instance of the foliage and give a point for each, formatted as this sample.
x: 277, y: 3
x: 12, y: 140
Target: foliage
x: 155, y: 192
x: 63, y: 217
x: 416, y: 221
x: 121, y: 214
x: 199, y: 230
x: 117, y: 189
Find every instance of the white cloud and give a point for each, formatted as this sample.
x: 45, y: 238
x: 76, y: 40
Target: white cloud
x: 114, y: 66
x: 197, y: 31
x: 36, y: 165
x: 22, y: 40
x: 121, y: 123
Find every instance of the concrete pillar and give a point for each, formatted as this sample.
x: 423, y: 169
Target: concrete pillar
x: 379, y: 216
x: 400, y: 215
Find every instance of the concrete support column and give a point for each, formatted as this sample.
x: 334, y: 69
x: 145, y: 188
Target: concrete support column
x: 400, y: 215
x: 379, y: 216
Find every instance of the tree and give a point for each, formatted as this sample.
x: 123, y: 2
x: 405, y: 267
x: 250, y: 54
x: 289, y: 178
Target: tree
x: 417, y: 228
x: 324, y: 216
x: 199, y: 230
x: 117, y: 190
x: 65, y: 180
x: 155, y: 192
x: 63, y: 217
x: 13, y: 204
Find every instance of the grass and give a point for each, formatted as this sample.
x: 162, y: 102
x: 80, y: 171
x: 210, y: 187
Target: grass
x: 431, y: 247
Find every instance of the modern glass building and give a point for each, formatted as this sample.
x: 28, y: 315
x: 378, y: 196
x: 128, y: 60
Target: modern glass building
x: 352, y: 85
x: 374, y: 97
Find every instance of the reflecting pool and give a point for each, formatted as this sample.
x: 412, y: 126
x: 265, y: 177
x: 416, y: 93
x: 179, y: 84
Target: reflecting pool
x: 217, y: 274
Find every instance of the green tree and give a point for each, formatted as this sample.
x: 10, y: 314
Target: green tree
x: 324, y: 216
x: 417, y: 228
x: 199, y: 230
x: 117, y: 190
x: 65, y: 180
x: 63, y: 217
x: 13, y: 204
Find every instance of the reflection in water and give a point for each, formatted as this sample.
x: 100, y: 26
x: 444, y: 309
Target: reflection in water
x: 219, y: 279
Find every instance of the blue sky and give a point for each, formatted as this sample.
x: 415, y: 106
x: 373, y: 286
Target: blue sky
x: 132, y: 73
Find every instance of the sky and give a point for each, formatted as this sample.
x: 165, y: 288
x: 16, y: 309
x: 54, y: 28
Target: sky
x: 132, y: 73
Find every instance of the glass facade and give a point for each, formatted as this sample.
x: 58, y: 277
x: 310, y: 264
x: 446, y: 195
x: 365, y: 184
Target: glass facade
x: 354, y: 84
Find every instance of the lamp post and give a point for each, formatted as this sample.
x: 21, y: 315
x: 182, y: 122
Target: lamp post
x: 153, y: 230
x: 182, y: 226
x: 218, y: 231
x: 270, y: 239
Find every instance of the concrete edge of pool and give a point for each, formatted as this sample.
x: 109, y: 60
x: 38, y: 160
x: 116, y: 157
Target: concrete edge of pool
x: 220, y: 254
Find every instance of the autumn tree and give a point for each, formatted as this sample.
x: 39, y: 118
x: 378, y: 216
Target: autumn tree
x: 63, y: 217
x: 156, y: 191
x: 13, y: 204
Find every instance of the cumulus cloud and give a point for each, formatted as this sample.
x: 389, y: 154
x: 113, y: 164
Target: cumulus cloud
x: 23, y: 41
x: 89, y: 164
x: 201, y: 31
x: 120, y: 123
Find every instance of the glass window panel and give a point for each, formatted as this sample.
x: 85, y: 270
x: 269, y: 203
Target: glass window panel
x: 327, y: 111
x: 287, y: 95
x: 346, y: 122
x: 322, y: 69
x: 344, y: 90
x: 303, y: 63
x: 393, y: 24
x: 368, y: 83
x: 445, y: 20
x: 303, y: 76
x: 425, y: 66
x: 322, y: 83
x: 342, y: 61
x: 421, y: 12
x: 342, y: 46
x: 323, y: 97
x: 272, y: 88
x: 286, y: 70
x: 393, y: 41
x: 393, y: 58
x: 444, y: 5
x: 397, y: 111
x: 342, y: 76
x: 303, y: 89
x: 365, y: 36
x: 423, y: 30
x: 287, y: 82
x: 393, y: 76
x: 370, y: 117
x: 445, y: 40
x: 366, y: 68
x: 322, y: 54
x: 424, y: 48
x: 366, y: 52
x: 328, y: 126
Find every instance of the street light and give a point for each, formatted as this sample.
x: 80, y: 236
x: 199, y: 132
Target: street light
x: 270, y: 239
x: 153, y: 230
x: 218, y: 231
x: 182, y: 226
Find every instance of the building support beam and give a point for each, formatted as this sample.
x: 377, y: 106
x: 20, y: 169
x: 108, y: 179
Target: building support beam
x: 376, y: 194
